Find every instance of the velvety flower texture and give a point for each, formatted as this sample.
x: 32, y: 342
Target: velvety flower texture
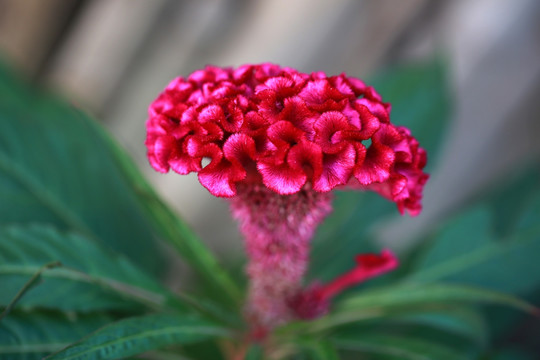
x: 277, y: 142
x: 262, y: 124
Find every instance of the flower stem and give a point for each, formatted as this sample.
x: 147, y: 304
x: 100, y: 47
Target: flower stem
x: 277, y: 230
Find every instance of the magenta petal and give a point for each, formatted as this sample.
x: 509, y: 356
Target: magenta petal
x: 376, y: 108
x: 315, y: 300
x: 211, y: 113
x: 341, y: 84
x: 234, y: 119
x: 220, y: 175
x: 183, y: 164
x: 376, y: 166
x: 161, y: 150
x: 281, y: 178
x: 368, y: 266
x: 276, y: 84
x: 369, y: 122
x: 296, y: 112
x: 318, y: 92
x: 160, y: 125
x: 284, y: 133
x: 242, y: 74
x: 371, y: 265
x: 239, y: 149
x: 372, y: 94
x: 218, y: 180
x: 306, y: 157
x: 357, y: 85
x: 337, y: 169
x: 329, y: 131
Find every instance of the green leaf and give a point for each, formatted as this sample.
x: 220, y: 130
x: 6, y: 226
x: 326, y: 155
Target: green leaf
x: 405, y: 295
x: 90, y: 278
x: 29, y: 336
x: 513, y: 353
x: 346, y: 233
x: 462, y: 236
x: 55, y: 167
x: 139, y: 334
x: 461, y: 326
x: 400, y: 347
x: 58, y: 166
x: 459, y: 321
x: 404, y: 299
x: 318, y: 349
x: 255, y: 352
x: 513, y: 202
x: 202, y: 350
x: 468, y: 251
x: 34, y: 280
x: 460, y: 329
x: 421, y: 101
x: 177, y: 233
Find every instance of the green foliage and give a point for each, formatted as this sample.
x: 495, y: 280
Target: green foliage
x: 94, y: 277
x: 32, y: 335
x: 399, y: 347
x: 55, y: 168
x: 467, y: 250
x: 255, y: 352
x: 139, y: 334
x: 58, y: 166
x: 78, y: 254
x: 318, y: 349
x: 403, y: 299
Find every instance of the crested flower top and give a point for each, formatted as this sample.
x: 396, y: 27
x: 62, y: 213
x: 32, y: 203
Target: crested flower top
x: 263, y: 124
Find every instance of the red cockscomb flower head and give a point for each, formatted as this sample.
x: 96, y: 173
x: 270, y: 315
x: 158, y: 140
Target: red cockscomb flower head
x: 262, y: 124
x: 278, y: 141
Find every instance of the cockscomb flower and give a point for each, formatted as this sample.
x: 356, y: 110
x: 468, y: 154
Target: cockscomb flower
x: 276, y: 142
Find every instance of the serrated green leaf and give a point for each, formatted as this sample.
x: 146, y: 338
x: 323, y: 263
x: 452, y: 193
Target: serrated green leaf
x: 29, y: 336
x: 89, y: 278
x: 136, y: 335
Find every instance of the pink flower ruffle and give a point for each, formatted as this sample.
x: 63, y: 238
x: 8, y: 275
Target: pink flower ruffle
x: 285, y: 129
x: 314, y: 301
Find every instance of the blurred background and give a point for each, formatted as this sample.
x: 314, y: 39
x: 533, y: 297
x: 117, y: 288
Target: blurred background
x: 113, y: 57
